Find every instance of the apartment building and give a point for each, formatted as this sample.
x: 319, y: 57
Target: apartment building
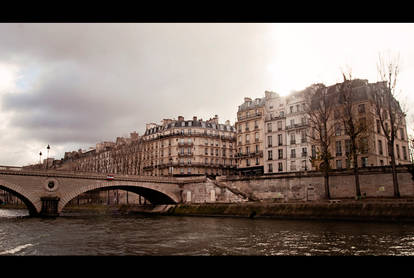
x: 297, y: 131
x: 250, y: 136
x: 275, y: 135
x: 373, y: 150
x: 188, y: 147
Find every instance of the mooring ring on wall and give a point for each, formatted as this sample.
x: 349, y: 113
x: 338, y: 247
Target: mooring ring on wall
x: 51, y: 184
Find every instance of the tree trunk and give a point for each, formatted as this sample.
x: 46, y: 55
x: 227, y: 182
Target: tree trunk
x: 326, y: 179
x: 394, y: 171
x: 356, y: 174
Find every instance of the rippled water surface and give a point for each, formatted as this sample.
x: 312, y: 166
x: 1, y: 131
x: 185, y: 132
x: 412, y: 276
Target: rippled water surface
x: 93, y: 234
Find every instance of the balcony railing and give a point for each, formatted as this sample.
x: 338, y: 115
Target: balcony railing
x: 301, y: 125
x: 241, y: 118
x: 186, y: 154
x: 250, y: 154
x: 185, y: 143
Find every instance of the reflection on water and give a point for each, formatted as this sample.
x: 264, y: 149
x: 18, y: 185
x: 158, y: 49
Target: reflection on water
x: 95, y: 234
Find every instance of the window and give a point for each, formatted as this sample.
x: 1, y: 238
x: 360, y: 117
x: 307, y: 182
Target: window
x: 247, y: 150
x: 247, y: 126
x: 338, y: 147
x: 257, y: 161
x: 292, y: 122
x: 240, y: 140
x: 402, y: 134
x: 398, y: 151
x: 337, y: 130
x: 279, y: 139
x: 361, y: 108
x: 269, y: 141
x: 364, y: 145
x: 270, y: 168
x: 292, y: 166
x: 256, y: 137
x: 304, y: 152
x: 280, y: 166
x: 347, y: 146
x: 269, y: 155
x: 247, y: 138
x: 292, y: 138
x: 256, y: 125
x: 404, y: 150
x: 380, y: 151
x: 339, y: 164
x: 291, y: 109
x: 364, y: 161
x: 280, y: 152
x: 247, y: 162
x: 303, y: 135
x: 257, y: 148
x: 269, y: 127
x: 293, y: 153
x: 279, y: 125
x: 313, y: 149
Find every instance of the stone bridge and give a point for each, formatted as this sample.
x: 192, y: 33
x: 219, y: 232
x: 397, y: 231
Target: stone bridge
x: 46, y: 192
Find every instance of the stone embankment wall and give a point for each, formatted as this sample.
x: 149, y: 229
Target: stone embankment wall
x: 309, y: 186
x: 375, y: 182
x: 208, y: 192
x: 354, y: 211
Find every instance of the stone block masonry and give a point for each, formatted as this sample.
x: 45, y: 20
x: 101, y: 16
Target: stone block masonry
x: 308, y: 186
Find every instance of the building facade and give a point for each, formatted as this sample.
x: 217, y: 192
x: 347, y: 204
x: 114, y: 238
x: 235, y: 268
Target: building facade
x: 188, y: 147
x: 373, y: 151
x: 250, y: 131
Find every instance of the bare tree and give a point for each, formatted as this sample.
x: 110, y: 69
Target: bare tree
x: 319, y: 109
x: 355, y: 127
x: 388, y: 109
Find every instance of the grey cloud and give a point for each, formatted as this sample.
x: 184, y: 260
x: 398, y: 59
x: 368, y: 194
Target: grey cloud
x: 99, y: 81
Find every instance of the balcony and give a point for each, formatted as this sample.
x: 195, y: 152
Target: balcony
x: 189, y: 144
x: 274, y: 118
x: 252, y: 154
x: 241, y: 118
x: 294, y: 126
x: 185, y: 154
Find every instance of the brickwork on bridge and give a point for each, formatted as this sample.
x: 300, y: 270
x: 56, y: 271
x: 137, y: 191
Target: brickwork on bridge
x: 34, y: 185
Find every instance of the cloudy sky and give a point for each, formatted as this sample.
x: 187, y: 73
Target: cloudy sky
x: 72, y: 85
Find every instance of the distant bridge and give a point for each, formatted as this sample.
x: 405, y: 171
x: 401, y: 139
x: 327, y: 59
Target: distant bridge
x: 46, y: 192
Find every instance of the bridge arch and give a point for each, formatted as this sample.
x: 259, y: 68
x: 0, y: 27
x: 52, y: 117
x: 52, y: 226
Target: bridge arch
x: 152, y: 193
x: 32, y: 203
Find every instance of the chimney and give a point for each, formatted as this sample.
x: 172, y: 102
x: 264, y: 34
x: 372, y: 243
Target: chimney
x: 247, y: 99
x: 194, y: 118
x: 180, y: 118
x: 227, y: 122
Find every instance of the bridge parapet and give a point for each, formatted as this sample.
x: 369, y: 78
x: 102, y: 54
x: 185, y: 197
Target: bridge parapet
x: 13, y: 168
x: 98, y: 176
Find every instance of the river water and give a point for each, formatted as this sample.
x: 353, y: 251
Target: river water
x: 116, y: 234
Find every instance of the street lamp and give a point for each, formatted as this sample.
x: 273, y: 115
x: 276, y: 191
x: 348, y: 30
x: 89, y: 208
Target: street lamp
x: 47, y: 160
x: 40, y: 158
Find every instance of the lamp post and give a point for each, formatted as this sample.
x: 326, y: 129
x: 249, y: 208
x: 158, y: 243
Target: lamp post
x: 47, y: 160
